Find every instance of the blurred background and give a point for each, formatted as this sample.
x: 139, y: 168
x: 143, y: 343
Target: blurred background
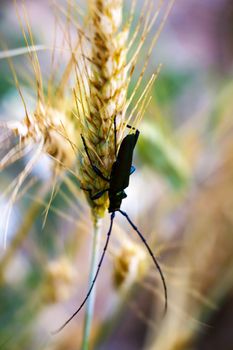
x: 181, y: 197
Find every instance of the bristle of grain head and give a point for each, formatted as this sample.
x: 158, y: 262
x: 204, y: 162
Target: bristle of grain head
x: 130, y: 265
x: 105, y: 98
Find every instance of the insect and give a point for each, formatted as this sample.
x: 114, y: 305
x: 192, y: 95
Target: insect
x: 119, y: 180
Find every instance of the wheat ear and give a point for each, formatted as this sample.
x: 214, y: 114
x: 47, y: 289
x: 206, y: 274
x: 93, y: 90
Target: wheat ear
x: 101, y: 87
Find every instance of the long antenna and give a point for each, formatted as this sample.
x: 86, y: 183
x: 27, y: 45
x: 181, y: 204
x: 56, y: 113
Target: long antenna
x: 151, y: 254
x: 94, y: 279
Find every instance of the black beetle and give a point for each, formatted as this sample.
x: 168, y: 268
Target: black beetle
x: 121, y: 170
x: 119, y: 180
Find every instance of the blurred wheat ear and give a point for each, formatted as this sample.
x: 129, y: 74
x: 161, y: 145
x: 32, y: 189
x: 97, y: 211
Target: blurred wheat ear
x: 49, y: 129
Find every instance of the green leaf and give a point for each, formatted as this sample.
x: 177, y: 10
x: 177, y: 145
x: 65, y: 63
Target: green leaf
x: 159, y: 152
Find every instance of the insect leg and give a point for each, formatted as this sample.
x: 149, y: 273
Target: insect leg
x: 86, y: 190
x: 94, y: 279
x: 115, y: 137
x: 94, y: 196
x: 99, y: 194
x: 96, y: 170
x: 152, y: 255
x: 132, y: 169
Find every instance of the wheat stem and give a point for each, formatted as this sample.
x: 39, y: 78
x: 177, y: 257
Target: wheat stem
x: 91, y: 300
